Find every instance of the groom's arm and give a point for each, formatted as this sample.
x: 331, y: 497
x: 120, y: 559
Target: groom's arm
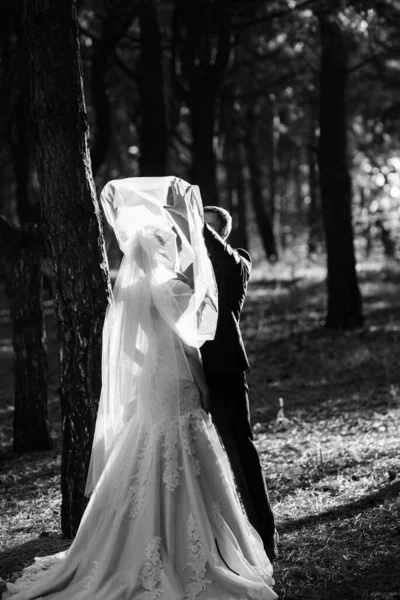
x: 222, y: 253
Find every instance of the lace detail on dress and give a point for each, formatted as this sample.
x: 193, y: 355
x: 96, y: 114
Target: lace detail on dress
x: 216, y: 509
x: 198, y: 562
x: 88, y: 582
x: 172, y: 476
x: 138, y: 489
x: 190, y: 399
x: 152, y: 571
x: 188, y: 439
x: 175, y: 436
x: 179, y: 435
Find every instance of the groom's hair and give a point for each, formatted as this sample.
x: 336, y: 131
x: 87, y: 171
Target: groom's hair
x: 225, y: 220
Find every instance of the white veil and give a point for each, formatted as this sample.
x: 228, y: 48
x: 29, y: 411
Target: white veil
x: 164, y: 301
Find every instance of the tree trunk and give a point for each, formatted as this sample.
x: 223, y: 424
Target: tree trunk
x: 153, y: 130
x: 256, y: 186
x: 204, y: 163
x: 344, y: 299
x: 313, y: 216
x: 100, y: 98
x: 22, y: 161
x: 21, y: 254
x: 201, y: 51
x: 366, y: 222
x: 273, y: 166
x: 21, y: 260
x: 389, y: 246
x: 72, y: 229
x: 31, y: 432
x: 117, y: 18
x: 237, y: 194
x: 242, y: 237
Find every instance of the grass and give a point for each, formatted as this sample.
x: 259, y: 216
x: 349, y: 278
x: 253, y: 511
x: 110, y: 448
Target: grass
x: 326, y: 413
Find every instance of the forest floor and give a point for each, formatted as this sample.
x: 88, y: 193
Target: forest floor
x: 326, y: 415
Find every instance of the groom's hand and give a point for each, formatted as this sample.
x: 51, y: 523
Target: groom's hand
x: 176, y: 198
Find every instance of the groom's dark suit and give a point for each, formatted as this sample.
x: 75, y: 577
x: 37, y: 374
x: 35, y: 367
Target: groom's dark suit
x: 225, y: 363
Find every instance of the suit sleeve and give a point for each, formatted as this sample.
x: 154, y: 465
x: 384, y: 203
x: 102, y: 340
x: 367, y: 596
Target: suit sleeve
x: 222, y: 253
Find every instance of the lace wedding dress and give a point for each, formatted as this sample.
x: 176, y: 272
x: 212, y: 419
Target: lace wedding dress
x: 164, y: 520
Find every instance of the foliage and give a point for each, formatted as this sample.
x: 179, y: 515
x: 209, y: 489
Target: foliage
x: 272, y: 70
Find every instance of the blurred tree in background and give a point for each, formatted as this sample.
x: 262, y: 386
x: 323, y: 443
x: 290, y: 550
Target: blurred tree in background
x: 21, y: 247
x: 286, y: 112
x: 344, y: 300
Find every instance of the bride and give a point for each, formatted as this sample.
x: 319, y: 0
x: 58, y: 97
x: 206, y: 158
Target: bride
x: 164, y: 520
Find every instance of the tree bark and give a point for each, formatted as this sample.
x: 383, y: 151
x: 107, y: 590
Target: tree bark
x: 314, y: 207
x: 344, y: 299
x: 21, y: 258
x: 201, y: 48
x: 273, y: 166
x: 257, y: 185
x: 204, y: 163
x: 153, y: 129
x: 100, y: 99
x: 237, y: 194
x: 72, y: 229
x: 118, y: 17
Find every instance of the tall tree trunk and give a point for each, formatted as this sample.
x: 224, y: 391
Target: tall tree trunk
x: 117, y: 18
x: 257, y: 186
x: 272, y: 163
x: 314, y: 208
x: 100, y: 98
x: 366, y: 223
x: 242, y: 237
x: 22, y: 160
x: 31, y: 431
x: 313, y: 212
x: 237, y: 194
x: 201, y: 50
x: 204, y: 163
x: 72, y: 228
x: 232, y: 159
x: 344, y: 299
x: 153, y: 130
x: 295, y: 176
x: 21, y: 260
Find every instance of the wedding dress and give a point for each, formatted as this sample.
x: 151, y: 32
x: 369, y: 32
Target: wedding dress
x: 164, y: 520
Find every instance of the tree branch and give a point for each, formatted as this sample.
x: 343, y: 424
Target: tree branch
x: 274, y: 15
x: 177, y: 136
x: 130, y: 73
x: 367, y: 60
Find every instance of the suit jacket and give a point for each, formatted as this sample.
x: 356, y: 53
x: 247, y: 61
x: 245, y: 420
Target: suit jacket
x: 232, y: 269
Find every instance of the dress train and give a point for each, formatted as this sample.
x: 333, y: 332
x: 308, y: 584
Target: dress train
x: 164, y: 522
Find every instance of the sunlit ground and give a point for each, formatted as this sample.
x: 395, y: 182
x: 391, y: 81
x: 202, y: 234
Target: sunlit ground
x: 326, y: 414
x: 326, y: 409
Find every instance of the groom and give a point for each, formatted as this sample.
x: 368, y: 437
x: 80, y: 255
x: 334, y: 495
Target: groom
x: 225, y: 363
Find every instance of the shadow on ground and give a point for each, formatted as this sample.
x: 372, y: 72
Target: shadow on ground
x: 14, y: 559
